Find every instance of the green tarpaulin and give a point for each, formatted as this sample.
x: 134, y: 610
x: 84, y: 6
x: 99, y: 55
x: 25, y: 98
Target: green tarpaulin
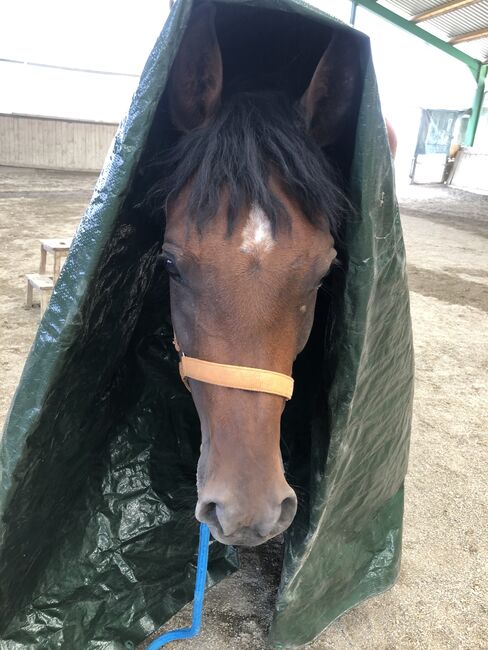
x: 99, y: 454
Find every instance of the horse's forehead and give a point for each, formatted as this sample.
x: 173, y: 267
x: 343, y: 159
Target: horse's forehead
x: 252, y: 238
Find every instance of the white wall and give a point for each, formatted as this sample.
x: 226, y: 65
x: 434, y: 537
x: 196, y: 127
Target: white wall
x: 112, y: 36
x: 470, y: 170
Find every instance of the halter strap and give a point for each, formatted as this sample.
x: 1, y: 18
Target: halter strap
x: 220, y: 374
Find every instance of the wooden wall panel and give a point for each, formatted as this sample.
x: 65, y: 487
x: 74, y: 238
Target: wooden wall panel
x: 49, y: 143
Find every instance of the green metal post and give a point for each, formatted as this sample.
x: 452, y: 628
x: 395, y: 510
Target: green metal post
x: 477, y: 105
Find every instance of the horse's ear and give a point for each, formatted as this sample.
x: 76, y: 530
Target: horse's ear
x: 195, y: 83
x: 327, y: 102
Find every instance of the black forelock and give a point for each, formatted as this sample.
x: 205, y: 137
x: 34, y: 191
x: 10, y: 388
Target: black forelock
x: 253, y: 138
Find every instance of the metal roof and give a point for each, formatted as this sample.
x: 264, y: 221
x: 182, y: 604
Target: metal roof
x: 461, y: 23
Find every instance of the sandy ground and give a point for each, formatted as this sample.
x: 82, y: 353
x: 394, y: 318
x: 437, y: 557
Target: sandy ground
x: 33, y: 205
x: 441, y: 598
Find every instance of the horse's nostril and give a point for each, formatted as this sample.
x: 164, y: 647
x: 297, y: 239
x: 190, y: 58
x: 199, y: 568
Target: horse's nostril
x: 288, y: 510
x: 208, y: 513
x: 215, y: 514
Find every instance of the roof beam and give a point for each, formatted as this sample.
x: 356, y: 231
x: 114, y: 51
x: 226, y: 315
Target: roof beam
x: 440, y: 10
x: 469, y: 36
x: 473, y: 64
x: 63, y: 67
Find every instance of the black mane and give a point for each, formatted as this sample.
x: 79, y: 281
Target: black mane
x: 254, y: 136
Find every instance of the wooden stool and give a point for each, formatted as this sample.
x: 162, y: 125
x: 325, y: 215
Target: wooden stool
x: 59, y: 248
x: 45, y: 285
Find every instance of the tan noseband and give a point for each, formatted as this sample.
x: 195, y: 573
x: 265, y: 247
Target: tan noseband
x: 220, y: 374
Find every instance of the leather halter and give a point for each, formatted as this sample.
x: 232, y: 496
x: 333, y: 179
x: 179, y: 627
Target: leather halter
x: 220, y: 374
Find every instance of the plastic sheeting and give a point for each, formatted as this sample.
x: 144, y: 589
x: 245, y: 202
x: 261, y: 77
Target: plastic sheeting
x: 99, y: 454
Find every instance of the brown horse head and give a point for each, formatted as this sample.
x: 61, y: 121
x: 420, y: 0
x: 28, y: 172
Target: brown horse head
x: 250, y: 208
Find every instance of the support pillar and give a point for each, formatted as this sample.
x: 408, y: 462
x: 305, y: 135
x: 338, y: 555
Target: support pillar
x: 477, y: 105
x: 354, y: 6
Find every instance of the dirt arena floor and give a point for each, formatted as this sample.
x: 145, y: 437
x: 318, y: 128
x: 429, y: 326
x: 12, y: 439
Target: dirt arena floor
x: 441, y: 598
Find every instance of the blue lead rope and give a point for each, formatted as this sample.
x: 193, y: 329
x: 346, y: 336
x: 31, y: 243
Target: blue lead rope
x: 196, y: 621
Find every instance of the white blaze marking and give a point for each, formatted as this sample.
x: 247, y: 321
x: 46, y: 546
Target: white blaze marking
x: 257, y: 236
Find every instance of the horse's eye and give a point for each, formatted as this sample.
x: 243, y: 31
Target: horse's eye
x: 171, y: 268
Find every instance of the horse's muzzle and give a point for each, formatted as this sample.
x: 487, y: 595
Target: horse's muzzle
x: 231, y: 523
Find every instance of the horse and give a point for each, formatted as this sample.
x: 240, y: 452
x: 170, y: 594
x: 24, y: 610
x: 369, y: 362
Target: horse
x: 252, y: 208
